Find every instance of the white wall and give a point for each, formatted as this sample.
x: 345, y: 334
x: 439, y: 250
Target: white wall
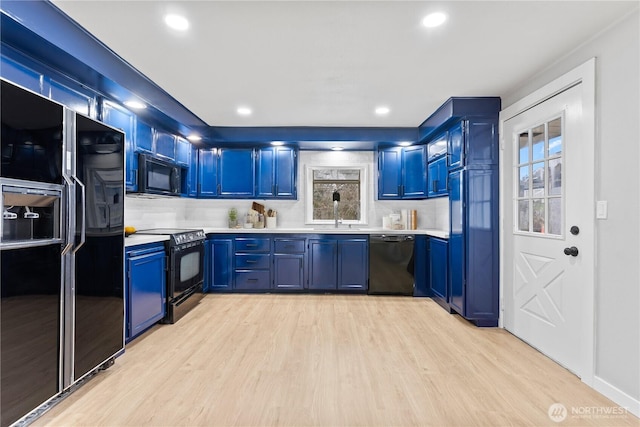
x: 617, y: 310
x: 143, y: 212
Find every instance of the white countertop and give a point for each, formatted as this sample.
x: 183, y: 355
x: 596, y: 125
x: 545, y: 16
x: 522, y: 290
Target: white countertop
x: 325, y: 230
x: 141, y: 239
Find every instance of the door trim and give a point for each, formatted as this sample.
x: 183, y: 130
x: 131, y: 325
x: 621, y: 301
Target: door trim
x: 585, y: 75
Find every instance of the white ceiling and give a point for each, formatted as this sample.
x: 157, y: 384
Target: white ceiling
x: 330, y: 63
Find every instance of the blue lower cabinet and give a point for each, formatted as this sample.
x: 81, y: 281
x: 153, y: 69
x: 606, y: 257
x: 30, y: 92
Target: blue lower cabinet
x: 353, y: 264
x: 258, y: 262
x: 438, y: 270
x: 421, y: 267
x: 288, y: 271
x: 252, y: 280
x: 473, y: 245
x: 288, y: 263
x: 218, y: 264
x: 339, y: 263
x: 146, y: 288
x: 252, y: 263
x: 323, y: 264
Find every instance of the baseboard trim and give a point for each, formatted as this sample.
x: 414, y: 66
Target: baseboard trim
x: 618, y: 396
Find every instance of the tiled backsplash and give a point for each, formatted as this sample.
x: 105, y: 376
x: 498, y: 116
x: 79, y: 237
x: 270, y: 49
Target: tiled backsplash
x: 143, y: 212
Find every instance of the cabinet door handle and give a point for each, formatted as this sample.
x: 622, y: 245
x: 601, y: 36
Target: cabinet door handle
x: 435, y: 185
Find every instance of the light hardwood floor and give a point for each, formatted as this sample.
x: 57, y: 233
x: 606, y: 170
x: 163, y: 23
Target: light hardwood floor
x: 328, y: 360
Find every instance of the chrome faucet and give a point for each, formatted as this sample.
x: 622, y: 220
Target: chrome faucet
x: 336, y: 199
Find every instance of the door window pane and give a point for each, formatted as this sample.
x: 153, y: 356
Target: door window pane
x: 555, y: 177
x: 524, y: 181
x: 538, y: 179
x: 538, y: 138
x: 555, y: 137
x: 523, y: 215
x: 555, y: 216
x: 540, y: 182
x: 523, y: 151
x: 538, y: 216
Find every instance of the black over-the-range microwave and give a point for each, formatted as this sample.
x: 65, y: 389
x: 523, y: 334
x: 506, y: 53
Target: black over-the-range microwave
x: 158, y: 176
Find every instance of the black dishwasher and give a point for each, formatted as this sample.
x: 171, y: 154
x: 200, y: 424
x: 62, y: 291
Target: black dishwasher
x: 391, y: 264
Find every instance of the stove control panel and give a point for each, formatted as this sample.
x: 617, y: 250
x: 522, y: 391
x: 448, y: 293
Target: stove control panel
x: 188, y: 237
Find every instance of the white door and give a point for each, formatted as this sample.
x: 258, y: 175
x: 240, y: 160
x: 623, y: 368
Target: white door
x: 548, y: 229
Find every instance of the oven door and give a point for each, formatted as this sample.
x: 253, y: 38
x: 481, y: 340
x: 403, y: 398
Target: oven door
x: 186, y: 270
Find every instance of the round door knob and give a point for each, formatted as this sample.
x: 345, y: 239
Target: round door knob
x: 575, y: 230
x: 572, y: 251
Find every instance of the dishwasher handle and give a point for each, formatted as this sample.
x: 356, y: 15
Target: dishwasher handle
x: 392, y: 238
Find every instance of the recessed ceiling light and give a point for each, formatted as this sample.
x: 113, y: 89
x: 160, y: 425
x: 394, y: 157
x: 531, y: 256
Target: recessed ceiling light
x: 177, y: 22
x: 382, y: 110
x: 434, y: 19
x: 244, y: 111
x: 405, y: 143
x: 277, y: 142
x: 194, y: 138
x: 136, y: 105
x: 337, y: 148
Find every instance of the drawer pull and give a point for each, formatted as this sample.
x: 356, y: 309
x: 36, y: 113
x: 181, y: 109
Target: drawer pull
x: 251, y: 261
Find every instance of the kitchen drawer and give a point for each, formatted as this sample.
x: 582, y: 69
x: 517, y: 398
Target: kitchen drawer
x: 253, y: 279
x: 253, y: 244
x: 289, y: 246
x: 252, y: 261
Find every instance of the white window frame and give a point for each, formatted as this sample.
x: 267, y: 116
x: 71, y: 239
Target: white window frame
x: 364, y: 191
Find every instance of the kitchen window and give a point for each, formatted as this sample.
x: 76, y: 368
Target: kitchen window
x: 349, y: 181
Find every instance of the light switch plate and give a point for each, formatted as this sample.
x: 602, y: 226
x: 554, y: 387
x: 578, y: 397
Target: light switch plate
x: 602, y: 209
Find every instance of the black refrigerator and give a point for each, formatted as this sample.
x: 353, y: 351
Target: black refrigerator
x: 62, y: 249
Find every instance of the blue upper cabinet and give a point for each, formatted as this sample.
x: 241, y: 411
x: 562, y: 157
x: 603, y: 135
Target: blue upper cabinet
x: 456, y: 146
x: 402, y: 173
x: 471, y: 127
x: 144, y: 137
x: 190, y: 187
x: 473, y: 142
x: 207, y: 173
x: 123, y: 119
x: 165, y: 145
x: 183, y: 152
x: 437, y: 165
x: 437, y: 173
x: 414, y: 172
x: 389, y: 173
x: 21, y: 75
x: 80, y: 101
x: 236, y: 173
x: 276, y: 172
